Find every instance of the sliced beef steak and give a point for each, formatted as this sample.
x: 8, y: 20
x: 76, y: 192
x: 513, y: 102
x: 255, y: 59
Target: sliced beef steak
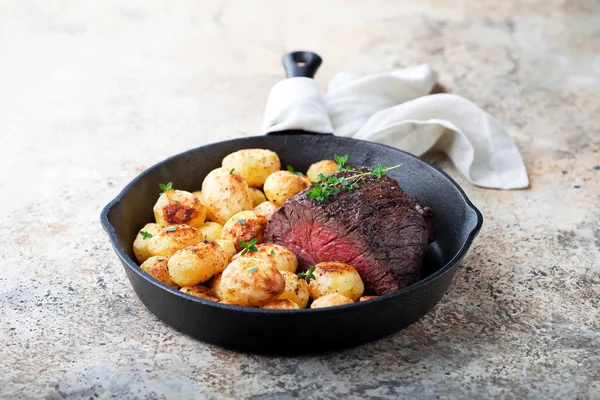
x: 378, y: 229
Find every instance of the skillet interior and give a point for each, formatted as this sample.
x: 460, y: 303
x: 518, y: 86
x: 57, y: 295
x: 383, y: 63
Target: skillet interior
x: 456, y: 220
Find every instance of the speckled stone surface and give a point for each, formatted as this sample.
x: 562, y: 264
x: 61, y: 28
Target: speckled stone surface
x: 92, y: 93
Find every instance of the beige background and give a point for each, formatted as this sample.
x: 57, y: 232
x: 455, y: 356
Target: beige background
x: 92, y: 93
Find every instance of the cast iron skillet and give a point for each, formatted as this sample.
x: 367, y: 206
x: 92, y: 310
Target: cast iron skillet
x: 295, y: 331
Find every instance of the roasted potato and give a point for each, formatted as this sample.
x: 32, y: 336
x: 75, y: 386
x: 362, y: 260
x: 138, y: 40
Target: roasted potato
x: 224, y: 194
x: 198, y: 194
x: 254, y: 165
x: 140, y: 244
x: 176, y: 207
x: 335, y: 277
x: 172, y: 239
x: 281, y: 305
x: 245, y: 225
x: 278, y: 256
x: 365, y: 298
x: 324, y: 167
x: 215, y: 285
x: 282, y: 185
x: 265, y: 209
x: 257, y: 196
x: 157, y: 268
x: 200, y: 291
x: 296, y: 289
x: 211, y: 230
x: 251, y: 282
x: 228, y: 246
x: 331, y: 300
x: 197, y: 263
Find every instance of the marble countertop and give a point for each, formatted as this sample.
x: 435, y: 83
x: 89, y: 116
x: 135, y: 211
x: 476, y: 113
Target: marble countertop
x: 95, y: 92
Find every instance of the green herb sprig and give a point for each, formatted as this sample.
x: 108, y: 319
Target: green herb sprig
x: 248, y: 246
x: 146, y: 235
x: 231, y: 171
x: 291, y: 169
x: 242, y: 221
x: 308, y: 275
x: 252, y: 269
x: 167, y: 187
x: 171, y: 228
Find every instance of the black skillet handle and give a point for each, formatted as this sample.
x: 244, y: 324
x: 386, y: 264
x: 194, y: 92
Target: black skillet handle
x: 301, y: 64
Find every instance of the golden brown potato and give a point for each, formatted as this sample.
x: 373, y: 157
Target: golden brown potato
x: 200, y: 291
x: 257, y: 196
x: 211, y: 230
x: 245, y: 225
x: 265, y: 209
x: 157, y: 268
x: 172, y: 239
x: 331, y: 300
x: 228, y: 246
x: 140, y: 244
x: 281, y: 305
x: 278, y: 256
x: 198, y: 194
x: 224, y: 194
x: 215, y: 285
x: 306, y: 180
x: 335, y: 277
x: 282, y: 185
x: 296, y: 289
x: 365, y: 298
x: 324, y: 167
x: 254, y: 165
x: 197, y: 263
x: 176, y: 207
x: 251, y: 282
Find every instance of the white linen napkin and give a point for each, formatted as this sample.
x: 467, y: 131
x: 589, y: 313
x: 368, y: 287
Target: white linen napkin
x: 394, y: 108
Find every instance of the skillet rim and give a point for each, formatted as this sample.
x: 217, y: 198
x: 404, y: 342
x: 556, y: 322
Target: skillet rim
x: 111, y: 232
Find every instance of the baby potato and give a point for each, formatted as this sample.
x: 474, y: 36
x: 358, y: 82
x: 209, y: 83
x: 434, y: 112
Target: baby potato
x: 296, y: 289
x: 257, y: 196
x: 335, y: 277
x: 254, y: 165
x: 200, y: 291
x: 278, y: 256
x: 197, y: 263
x: 215, y: 285
x: 245, y: 225
x: 331, y: 300
x: 282, y: 185
x: 211, y: 230
x: 365, y: 298
x: 157, y: 268
x: 224, y: 194
x: 172, y: 239
x: 140, y: 244
x: 281, y: 305
x: 198, y: 194
x: 175, y: 207
x: 324, y: 167
x: 228, y: 246
x: 251, y: 282
x: 265, y: 209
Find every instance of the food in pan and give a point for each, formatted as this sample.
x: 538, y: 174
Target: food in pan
x: 338, y: 235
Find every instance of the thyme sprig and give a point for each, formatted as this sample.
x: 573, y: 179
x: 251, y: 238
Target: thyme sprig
x: 308, y: 275
x: 248, y: 246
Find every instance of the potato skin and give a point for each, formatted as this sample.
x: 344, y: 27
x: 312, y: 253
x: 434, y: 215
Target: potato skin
x: 257, y: 196
x: 283, y: 259
x: 251, y: 282
x: 324, y: 167
x: 296, y: 289
x: 281, y: 305
x: 228, y: 247
x: 200, y: 291
x: 167, y: 242
x: 282, y: 185
x: 157, y: 268
x: 215, y: 285
x: 335, y: 277
x: 265, y: 209
x: 197, y: 263
x: 331, y: 300
x: 211, y: 230
x: 176, y: 207
x: 245, y: 225
x: 224, y: 195
x: 366, y: 298
x: 140, y: 245
x: 254, y: 165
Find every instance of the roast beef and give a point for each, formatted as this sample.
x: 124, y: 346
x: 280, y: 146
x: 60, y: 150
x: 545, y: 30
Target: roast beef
x: 377, y: 228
